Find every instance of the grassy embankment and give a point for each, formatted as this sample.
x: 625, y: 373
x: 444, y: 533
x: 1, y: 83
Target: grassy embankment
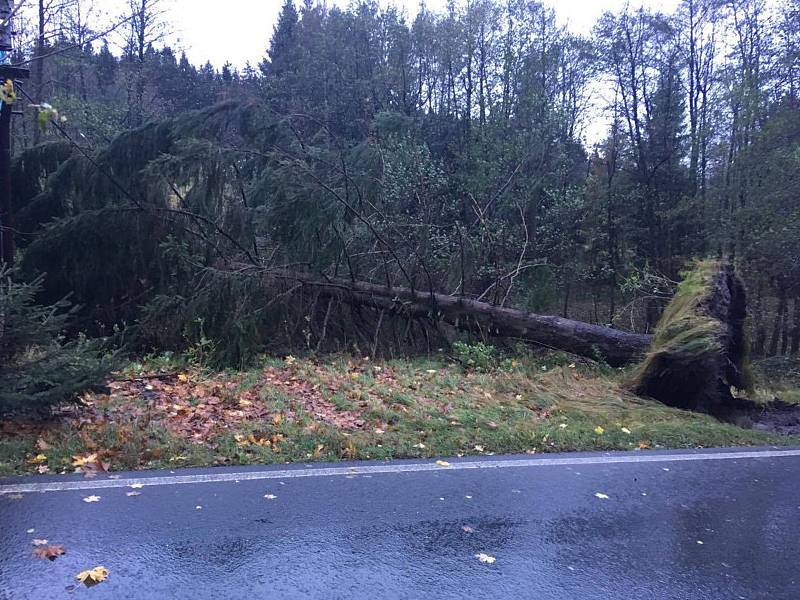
x: 164, y: 415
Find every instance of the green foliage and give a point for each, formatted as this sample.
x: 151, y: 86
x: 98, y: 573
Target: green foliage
x: 39, y: 367
x: 475, y: 357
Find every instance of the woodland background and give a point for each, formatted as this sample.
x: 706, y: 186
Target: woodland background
x: 444, y: 153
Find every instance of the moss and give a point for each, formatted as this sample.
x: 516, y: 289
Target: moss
x: 698, y: 350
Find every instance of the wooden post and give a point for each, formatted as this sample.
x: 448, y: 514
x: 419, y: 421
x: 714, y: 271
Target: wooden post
x: 7, y: 72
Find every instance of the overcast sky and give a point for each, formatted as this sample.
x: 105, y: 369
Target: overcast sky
x: 239, y: 30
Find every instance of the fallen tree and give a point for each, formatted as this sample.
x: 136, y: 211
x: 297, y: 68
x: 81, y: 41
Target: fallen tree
x: 601, y: 343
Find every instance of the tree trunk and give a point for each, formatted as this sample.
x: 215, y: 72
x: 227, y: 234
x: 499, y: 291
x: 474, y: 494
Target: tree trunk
x: 593, y: 341
x: 795, y: 346
x: 779, y: 316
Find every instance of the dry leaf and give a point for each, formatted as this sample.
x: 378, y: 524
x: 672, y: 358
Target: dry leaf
x: 92, y: 499
x: 442, y: 463
x: 49, y: 552
x: 38, y: 459
x: 92, y: 576
x: 183, y: 377
x: 85, y: 460
x: 485, y: 558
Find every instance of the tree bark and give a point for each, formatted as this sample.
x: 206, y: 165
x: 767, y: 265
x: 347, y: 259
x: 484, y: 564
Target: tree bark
x: 614, y: 346
x: 796, y: 328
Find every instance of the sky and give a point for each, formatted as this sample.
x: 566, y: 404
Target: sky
x: 238, y: 31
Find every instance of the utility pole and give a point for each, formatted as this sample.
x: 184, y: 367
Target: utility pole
x: 8, y: 74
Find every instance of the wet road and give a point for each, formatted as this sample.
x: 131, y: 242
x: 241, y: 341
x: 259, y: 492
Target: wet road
x: 680, y: 525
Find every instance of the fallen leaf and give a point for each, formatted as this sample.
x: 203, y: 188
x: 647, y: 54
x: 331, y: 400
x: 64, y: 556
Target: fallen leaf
x: 85, y: 460
x: 601, y: 496
x: 42, y: 469
x: 92, y: 576
x: 183, y: 377
x: 625, y: 430
x: 563, y: 425
x: 92, y: 499
x: 442, y: 463
x: 485, y: 558
x: 38, y: 542
x: 277, y: 419
x: 38, y: 459
x: 49, y: 552
x: 599, y: 430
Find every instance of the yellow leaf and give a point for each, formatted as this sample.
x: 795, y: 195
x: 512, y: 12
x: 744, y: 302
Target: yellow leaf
x: 82, y: 461
x: 38, y: 459
x: 244, y: 402
x: 599, y: 430
x: 442, y: 463
x: 92, y: 576
x: 277, y: 419
x: 183, y: 377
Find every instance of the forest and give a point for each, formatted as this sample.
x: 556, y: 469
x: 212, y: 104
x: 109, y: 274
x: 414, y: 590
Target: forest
x: 461, y: 181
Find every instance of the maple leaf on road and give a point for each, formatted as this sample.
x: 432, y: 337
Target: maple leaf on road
x: 51, y: 552
x: 92, y: 576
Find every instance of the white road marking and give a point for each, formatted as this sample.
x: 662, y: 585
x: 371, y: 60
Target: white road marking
x: 372, y: 469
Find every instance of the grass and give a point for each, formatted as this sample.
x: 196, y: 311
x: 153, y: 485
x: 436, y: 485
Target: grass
x: 346, y: 408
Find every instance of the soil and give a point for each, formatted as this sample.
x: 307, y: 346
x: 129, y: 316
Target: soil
x: 778, y: 417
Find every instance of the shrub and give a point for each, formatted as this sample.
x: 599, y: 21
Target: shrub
x: 39, y: 367
x: 475, y: 357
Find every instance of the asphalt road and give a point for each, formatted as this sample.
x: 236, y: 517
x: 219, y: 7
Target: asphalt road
x: 675, y: 525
